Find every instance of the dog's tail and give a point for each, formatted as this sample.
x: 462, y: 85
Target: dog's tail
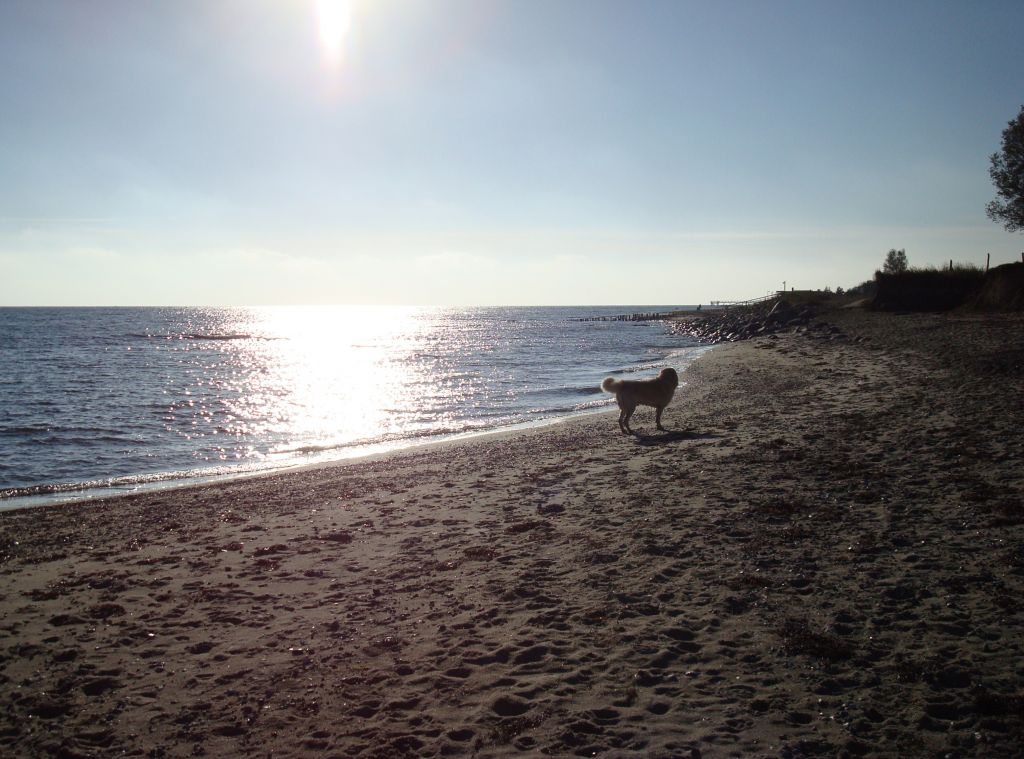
x: 611, y: 385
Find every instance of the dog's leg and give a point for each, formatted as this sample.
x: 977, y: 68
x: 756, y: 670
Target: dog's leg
x: 628, y: 430
x: 657, y: 418
x: 623, y: 422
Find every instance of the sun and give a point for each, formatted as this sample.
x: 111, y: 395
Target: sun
x: 334, y: 23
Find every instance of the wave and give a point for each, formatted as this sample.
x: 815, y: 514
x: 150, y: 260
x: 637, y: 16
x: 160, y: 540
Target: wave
x: 574, y: 390
x: 28, y: 429
x: 576, y: 408
x: 93, y: 433
x: 200, y: 336
x: 125, y: 482
x: 678, y: 358
x: 393, y: 437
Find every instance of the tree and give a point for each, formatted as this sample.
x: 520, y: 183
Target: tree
x: 895, y: 261
x: 1007, y: 172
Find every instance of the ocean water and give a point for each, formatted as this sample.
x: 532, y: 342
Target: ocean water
x: 95, y: 400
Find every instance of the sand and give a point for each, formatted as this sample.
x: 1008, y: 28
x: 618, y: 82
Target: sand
x: 824, y: 556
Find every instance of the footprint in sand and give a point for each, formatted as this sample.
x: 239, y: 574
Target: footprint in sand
x: 510, y: 706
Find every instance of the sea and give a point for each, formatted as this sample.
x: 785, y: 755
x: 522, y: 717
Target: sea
x: 99, y: 401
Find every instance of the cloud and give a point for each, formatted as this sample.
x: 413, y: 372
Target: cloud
x: 452, y: 260
x: 264, y: 258
x: 94, y: 255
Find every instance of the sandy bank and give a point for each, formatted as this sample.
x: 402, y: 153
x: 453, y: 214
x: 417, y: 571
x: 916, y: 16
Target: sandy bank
x: 824, y: 557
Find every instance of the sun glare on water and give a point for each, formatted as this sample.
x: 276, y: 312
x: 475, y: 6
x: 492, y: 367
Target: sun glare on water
x: 334, y: 24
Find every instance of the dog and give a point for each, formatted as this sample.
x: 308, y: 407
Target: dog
x: 629, y: 394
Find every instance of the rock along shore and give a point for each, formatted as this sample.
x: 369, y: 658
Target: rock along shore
x: 760, y: 320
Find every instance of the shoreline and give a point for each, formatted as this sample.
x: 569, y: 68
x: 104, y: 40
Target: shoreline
x: 83, y: 492
x: 78, y: 495
x: 34, y: 480
x: 72, y: 493
x: 824, y: 555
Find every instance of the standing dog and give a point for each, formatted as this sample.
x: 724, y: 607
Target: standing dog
x: 629, y: 394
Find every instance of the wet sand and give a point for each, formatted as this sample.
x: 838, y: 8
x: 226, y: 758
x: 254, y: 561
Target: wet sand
x: 824, y: 556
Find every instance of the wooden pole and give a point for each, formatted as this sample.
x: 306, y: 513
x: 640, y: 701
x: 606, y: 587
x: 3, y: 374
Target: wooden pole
x: 988, y: 257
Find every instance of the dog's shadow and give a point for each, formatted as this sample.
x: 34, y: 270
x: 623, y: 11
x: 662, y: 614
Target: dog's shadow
x: 671, y: 436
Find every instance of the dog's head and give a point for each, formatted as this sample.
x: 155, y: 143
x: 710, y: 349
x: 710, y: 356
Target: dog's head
x: 669, y: 377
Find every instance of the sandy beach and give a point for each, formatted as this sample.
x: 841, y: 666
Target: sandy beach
x: 824, y: 556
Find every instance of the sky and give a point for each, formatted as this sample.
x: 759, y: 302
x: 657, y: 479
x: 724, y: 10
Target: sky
x: 493, y: 152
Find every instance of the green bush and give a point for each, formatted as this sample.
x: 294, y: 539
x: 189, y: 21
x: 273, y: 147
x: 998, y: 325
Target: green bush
x: 927, y: 289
